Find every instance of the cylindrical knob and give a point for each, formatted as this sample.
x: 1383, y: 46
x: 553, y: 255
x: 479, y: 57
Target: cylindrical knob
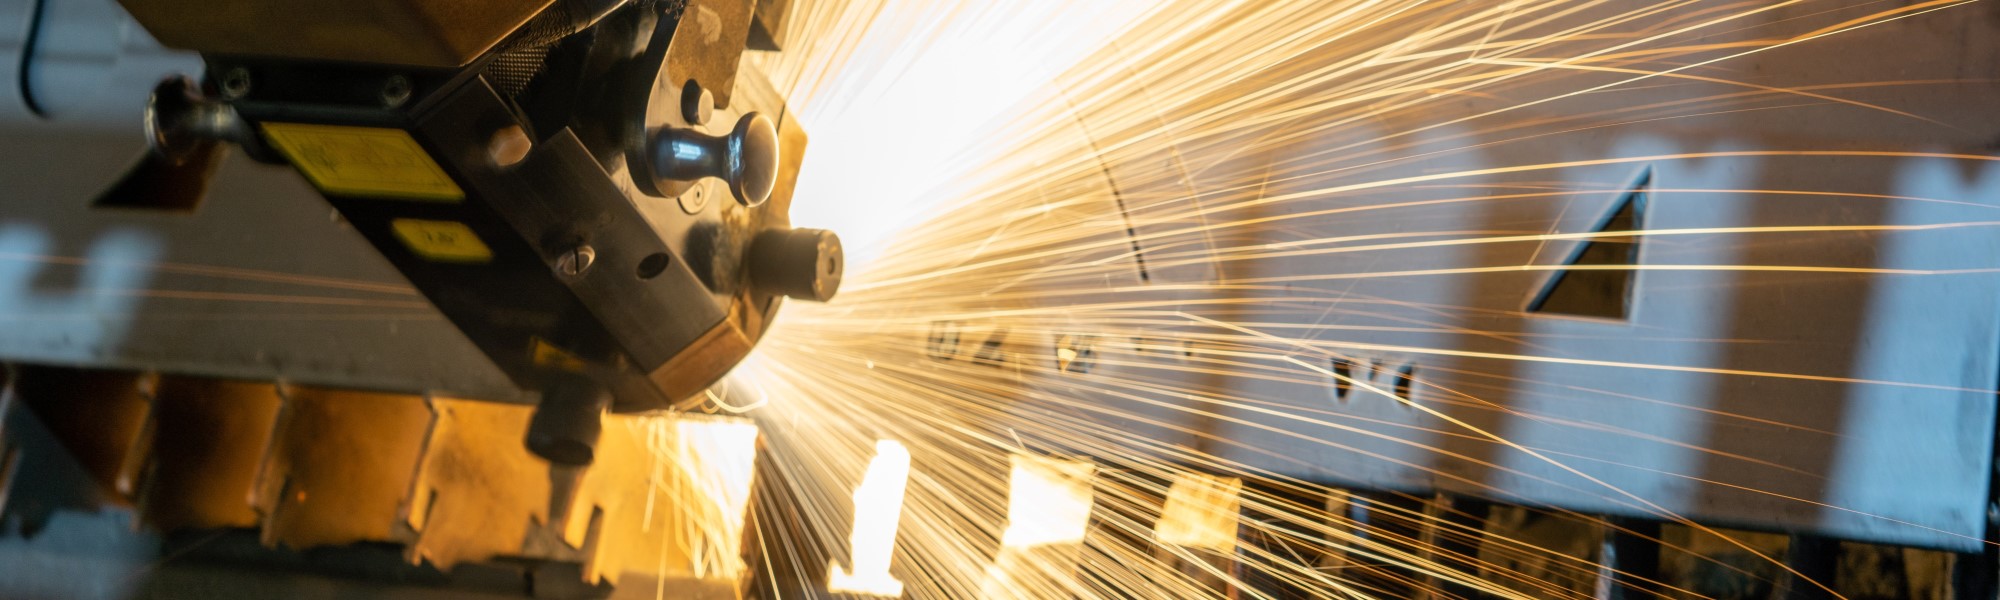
x: 801, y: 263
x: 566, y: 425
x: 180, y: 124
x: 747, y: 158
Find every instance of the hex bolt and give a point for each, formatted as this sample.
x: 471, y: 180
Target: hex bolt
x: 395, y: 91
x: 576, y: 261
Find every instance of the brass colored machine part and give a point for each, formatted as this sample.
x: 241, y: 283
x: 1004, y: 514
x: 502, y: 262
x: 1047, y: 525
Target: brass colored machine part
x: 417, y: 33
x: 446, y: 480
x: 541, y: 178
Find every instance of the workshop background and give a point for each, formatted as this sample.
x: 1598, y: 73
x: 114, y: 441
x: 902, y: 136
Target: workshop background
x: 1233, y: 299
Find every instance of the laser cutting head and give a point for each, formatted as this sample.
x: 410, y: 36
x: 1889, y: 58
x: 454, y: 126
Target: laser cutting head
x: 595, y: 192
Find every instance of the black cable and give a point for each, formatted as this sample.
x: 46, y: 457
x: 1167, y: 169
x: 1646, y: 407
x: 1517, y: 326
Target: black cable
x: 28, y: 58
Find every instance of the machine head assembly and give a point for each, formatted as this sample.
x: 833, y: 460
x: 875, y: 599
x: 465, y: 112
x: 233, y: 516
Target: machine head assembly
x: 541, y: 175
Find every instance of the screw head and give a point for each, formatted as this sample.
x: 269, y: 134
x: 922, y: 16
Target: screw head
x: 695, y: 199
x: 576, y: 261
x: 235, y: 83
x: 395, y: 91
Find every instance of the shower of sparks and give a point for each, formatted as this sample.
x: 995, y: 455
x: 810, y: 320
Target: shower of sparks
x: 713, y: 460
x: 1077, y: 227
x: 1124, y: 273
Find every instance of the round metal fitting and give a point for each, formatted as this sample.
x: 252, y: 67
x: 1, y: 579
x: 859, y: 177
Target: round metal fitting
x: 235, y: 83
x: 697, y: 104
x: 168, y: 114
x: 395, y: 91
x: 567, y: 424
x: 181, y: 124
x: 695, y: 199
x: 805, y: 264
x: 747, y: 158
x: 509, y: 146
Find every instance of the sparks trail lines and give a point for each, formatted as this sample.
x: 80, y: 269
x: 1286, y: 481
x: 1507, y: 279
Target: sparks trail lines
x: 1254, y: 283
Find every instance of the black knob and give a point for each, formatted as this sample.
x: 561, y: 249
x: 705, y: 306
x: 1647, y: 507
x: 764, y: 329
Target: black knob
x: 567, y: 423
x: 747, y: 158
x: 801, y: 263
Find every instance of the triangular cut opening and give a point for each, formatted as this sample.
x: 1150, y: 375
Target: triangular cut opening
x: 156, y: 183
x: 1603, y: 293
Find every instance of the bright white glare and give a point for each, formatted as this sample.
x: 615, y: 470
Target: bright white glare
x: 878, y: 502
x: 719, y: 458
x: 1048, y: 501
x: 1201, y: 512
x: 885, y: 138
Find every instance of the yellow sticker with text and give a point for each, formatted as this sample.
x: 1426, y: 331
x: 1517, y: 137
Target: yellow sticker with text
x: 442, y: 241
x: 363, y: 161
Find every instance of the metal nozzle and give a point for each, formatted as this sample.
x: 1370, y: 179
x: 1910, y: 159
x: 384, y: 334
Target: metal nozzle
x: 800, y: 263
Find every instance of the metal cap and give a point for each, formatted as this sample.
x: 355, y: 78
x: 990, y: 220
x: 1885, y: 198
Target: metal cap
x: 800, y: 263
x: 181, y: 124
x: 565, y: 426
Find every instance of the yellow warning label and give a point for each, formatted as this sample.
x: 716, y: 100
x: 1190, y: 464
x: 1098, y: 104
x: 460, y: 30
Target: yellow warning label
x: 548, y: 355
x: 442, y: 241
x: 363, y: 161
